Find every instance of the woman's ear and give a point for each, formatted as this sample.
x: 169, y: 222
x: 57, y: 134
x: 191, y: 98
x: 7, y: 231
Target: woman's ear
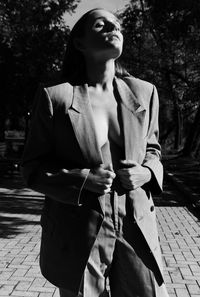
x: 78, y: 43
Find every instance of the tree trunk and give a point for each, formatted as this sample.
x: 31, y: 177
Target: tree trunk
x: 177, y: 112
x: 179, y: 125
x: 192, y: 144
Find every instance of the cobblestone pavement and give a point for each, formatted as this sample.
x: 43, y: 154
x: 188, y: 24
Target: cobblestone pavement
x: 179, y: 231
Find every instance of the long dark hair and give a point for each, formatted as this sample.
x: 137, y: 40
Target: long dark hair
x: 73, y: 70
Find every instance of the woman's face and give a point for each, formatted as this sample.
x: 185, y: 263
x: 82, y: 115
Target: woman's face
x: 103, y: 38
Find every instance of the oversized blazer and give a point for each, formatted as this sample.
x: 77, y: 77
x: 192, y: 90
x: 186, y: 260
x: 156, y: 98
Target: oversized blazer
x: 62, y: 147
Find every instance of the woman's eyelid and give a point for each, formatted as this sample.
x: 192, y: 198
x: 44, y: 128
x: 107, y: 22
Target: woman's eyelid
x: 99, y: 23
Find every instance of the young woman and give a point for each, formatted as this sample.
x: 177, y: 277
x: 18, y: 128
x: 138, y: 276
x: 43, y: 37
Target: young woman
x: 93, y: 151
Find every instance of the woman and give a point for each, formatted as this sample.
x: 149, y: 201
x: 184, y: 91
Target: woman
x: 93, y: 151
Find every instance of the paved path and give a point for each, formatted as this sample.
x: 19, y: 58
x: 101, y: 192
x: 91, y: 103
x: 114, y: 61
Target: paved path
x: 179, y: 231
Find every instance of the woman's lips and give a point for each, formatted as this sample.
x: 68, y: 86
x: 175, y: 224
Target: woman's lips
x: 113, y: 35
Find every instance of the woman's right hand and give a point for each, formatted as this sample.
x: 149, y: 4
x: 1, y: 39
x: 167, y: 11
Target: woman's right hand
x: 100, y: 179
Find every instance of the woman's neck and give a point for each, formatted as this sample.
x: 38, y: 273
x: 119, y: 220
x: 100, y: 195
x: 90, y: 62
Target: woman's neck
x: 100, y: 73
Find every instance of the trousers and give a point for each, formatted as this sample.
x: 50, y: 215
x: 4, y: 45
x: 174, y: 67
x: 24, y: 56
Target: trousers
x: 115, y: 266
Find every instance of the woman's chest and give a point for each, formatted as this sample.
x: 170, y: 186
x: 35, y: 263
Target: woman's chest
x: 107, y: 120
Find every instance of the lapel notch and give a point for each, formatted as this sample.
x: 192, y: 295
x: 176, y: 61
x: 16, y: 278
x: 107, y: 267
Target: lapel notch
x: 128, y: 96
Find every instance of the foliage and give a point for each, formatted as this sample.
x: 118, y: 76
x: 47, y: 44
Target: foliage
x: 162, y: 45
x: 32, y: 42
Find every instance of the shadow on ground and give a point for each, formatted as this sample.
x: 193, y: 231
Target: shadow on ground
x: 185, y: 169
x: 171, y: 197
x: 17, y: 214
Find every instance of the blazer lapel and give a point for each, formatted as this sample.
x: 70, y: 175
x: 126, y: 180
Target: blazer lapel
x: 82, y: 121
x: 133, y: 113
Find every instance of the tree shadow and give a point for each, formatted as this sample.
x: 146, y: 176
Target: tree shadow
x: 171, y: 197
x: 185, y: 169
x: 17, y: 215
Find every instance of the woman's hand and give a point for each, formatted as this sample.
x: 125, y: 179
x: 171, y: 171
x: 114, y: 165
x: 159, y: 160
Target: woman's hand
x: 132, y: 175
x: 100, y: 179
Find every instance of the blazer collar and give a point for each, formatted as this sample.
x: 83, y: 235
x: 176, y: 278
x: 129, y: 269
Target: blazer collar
x: 127, y: 95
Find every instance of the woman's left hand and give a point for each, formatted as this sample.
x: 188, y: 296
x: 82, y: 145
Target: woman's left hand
x: 132, y: 175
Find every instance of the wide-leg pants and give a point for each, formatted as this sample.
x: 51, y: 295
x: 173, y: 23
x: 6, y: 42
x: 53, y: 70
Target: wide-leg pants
x: 115, y: 267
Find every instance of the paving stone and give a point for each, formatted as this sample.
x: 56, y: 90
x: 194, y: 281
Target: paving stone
x: 23, y: 285
x: 56, y: 293
x: 194, y: 289
x: 6, y: 289
x: 25, y: 294
x: 182, y: 293
x: 41, y: 289
x: 20, y: 272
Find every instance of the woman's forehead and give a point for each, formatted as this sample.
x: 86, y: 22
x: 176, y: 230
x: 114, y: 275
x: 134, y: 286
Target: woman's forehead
x: 101, y: 13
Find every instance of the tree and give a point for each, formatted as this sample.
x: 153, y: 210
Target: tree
x: 32, y: 42
x: 163, y: 39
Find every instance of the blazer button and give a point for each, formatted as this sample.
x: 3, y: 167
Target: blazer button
x: 152, y: 208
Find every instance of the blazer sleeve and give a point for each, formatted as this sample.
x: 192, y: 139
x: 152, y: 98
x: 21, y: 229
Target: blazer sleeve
x: 153, y: 150
x: 39, y: 170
